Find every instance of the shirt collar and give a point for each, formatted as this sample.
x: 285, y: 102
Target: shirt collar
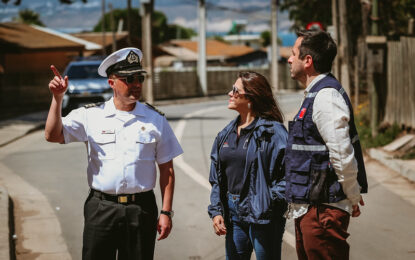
x: 247, y: 128
x: 110, y: 110
x: 314, y: 81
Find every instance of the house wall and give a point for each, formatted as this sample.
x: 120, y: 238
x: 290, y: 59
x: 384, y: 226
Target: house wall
x: 24, y: 83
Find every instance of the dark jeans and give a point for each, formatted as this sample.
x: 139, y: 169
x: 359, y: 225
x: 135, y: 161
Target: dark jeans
x: 321, y: 234
x: 242, y: 237
x: 126, y: 230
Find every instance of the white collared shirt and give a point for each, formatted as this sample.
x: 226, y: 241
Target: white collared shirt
x: 331, y: 116
x: 122, y: 147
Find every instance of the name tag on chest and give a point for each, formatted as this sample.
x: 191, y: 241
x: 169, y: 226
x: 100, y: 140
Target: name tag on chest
x: 107, y: 132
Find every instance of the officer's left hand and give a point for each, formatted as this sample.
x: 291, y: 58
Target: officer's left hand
x: 164, y: 226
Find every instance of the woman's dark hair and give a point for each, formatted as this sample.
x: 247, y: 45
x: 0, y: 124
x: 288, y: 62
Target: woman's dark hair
x: 259, y: 92
x: 320, y: 46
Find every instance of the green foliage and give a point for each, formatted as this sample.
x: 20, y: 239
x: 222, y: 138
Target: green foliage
x: 410, y: 155
x: 219, y: 38
x: 266, y: 39
x: 393, y: 16
x: 161, y: 30
x: 362, y: 121
x: 28, y: 16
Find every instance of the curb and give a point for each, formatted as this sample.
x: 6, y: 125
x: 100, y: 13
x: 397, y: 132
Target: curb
x: 401, y: 166
x: 29, y: 128
x: 4, y: 224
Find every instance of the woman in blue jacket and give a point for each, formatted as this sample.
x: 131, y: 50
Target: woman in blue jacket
x: 247, y: 173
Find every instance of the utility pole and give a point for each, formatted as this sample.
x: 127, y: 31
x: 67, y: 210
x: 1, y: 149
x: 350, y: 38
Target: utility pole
x: 344, y: 47
x: 147, y: 10
x: 129, y: 42
x: 201, y: 62
x: 274, y: 45
x: 374, y: 95
x: 104, y: 52
x: 114, y: 39
x: 336, y: 36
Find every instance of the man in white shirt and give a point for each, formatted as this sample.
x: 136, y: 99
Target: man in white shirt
x: 325, y: 171
x: 124, y: 139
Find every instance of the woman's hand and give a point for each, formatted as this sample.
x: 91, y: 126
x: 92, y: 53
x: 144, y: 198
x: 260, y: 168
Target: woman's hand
x: 219, y: 225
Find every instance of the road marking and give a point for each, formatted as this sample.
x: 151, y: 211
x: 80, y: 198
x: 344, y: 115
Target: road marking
x: 179, y: 161
x: 197, y: 177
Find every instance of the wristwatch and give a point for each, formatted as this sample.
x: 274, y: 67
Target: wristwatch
x: 168, y: 213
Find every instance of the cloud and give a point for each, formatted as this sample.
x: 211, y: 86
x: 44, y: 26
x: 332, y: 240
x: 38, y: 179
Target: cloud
x: 9, y: 10
x: 81, y: 5
x: 214, y: 26
x: 191, y: 23
x: 219, y: 26
x: 257, y: 28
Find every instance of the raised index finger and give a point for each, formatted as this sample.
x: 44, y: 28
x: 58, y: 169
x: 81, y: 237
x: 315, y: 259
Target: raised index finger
x: 55, y: 71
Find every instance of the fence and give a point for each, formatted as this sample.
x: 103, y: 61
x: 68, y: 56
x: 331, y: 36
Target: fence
x: 400, y: 104
x: 170, y: 83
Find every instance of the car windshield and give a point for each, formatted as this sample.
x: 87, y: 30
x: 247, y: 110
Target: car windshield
x: 83, y: 72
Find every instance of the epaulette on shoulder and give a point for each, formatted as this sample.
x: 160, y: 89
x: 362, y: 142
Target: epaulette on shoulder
x: 93, y: 105
x: 155, y: 109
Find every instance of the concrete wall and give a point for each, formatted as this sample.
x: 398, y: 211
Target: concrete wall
x: 24, y: 81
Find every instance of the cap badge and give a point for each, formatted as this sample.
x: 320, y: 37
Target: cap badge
x: 132, y: 57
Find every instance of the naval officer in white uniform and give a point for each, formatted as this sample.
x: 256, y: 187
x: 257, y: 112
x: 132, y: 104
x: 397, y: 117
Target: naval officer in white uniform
x: 124, y: 139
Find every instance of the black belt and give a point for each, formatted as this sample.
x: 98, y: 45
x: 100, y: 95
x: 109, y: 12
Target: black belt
x: 122, y: 198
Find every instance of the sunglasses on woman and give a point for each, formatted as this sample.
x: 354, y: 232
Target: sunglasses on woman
x: 236, y: 93
x: 132, y: 78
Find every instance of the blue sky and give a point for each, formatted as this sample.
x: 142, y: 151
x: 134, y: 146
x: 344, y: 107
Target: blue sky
x: 220, y: 13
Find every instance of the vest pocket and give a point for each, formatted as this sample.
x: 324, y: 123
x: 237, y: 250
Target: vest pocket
x: 300, y: 178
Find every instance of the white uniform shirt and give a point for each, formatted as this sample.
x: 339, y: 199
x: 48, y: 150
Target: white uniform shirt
x: 122, y: 146
x: 331, y: 116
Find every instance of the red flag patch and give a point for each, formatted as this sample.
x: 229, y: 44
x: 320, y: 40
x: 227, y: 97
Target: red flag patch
x: 301, y: 115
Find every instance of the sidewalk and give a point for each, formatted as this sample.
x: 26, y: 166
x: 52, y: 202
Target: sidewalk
x: 10, y: 131
x: 14, y: 129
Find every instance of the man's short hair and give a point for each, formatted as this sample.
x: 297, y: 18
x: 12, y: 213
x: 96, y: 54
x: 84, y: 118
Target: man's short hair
x: 320, y: 46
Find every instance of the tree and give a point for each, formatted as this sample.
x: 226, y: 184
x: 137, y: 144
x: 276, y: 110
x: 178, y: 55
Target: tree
x: 18, y: 2
x: 28, y: 16
x: 161, y: 30
x: 266, y: 39
x: 394, y: 15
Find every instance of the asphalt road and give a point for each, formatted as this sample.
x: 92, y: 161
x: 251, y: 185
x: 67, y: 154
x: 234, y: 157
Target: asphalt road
x: 384, y: 231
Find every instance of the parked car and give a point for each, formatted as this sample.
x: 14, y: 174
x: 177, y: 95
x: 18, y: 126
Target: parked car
x: 85, y: 84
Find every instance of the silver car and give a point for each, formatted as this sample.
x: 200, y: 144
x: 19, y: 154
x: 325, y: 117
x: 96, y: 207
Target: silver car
x: 85, y: 85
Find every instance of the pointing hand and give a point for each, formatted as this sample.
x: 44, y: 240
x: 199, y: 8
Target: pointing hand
x: 58, y: 85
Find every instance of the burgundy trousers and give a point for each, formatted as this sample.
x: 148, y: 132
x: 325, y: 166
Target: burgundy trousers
x: 321, y: 233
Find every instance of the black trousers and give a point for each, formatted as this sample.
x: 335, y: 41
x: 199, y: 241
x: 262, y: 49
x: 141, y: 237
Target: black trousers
x: 125, y: 230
